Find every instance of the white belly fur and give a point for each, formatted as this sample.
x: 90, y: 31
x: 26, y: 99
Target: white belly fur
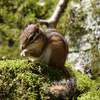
x: 44, y: 58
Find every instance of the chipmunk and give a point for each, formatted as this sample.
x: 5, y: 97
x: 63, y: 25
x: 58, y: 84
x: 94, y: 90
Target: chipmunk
x: 49, y: 47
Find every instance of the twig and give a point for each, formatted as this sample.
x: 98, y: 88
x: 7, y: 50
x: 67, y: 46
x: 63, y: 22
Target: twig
x: 52, y: 22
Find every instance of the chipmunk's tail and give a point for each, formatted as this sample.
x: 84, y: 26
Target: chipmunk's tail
x: 63, y: 89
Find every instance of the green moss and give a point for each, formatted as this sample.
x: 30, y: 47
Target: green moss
x: 86, y: 88
x: 17, y: 80
x: 22, y: 79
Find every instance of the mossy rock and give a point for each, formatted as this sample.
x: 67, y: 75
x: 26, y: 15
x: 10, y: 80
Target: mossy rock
x: 23, y: 80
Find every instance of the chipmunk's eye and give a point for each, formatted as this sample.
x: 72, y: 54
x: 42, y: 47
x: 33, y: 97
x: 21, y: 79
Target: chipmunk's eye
x: 31, y: 38
x: 37, y: 30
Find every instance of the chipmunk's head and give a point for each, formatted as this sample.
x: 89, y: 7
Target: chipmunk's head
x: 29, y: 35
x: 30, y: 39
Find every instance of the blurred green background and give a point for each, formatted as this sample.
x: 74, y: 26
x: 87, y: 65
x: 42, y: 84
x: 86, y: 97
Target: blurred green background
x: 13, y: 16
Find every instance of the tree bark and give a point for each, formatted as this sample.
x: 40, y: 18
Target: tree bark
x: 52, y: 22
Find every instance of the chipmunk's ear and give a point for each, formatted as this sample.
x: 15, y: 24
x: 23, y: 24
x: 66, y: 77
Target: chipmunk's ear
x: 37, y: 28
x: 26, y: 25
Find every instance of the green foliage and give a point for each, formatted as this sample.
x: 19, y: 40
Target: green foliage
x: 17, y: 13
x: 22, y: 79
x: 86, y: 88
x: 13, y: 16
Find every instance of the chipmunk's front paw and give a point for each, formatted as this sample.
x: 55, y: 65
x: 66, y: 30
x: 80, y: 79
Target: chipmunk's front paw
x: 24, y: 53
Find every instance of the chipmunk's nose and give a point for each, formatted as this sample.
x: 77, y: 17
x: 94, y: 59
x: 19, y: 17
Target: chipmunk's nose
x: 22, y: 47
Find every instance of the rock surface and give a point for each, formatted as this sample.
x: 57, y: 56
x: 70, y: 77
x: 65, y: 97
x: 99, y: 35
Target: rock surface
x: 82, y: 43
